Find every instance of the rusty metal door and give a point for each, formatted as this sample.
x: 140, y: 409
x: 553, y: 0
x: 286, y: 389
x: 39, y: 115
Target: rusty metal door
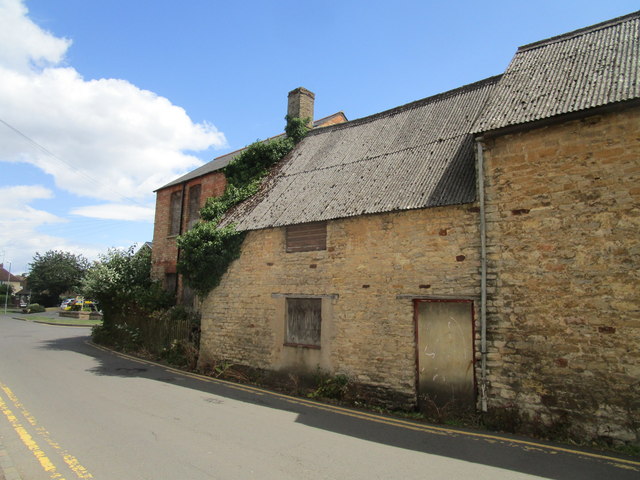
x: 444, y: 343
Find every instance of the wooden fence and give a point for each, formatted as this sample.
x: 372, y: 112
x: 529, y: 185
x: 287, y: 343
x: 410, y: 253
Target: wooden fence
x: 156, y: 334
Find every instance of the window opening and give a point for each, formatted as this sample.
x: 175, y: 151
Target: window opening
x: 306, y: 237
x: 175, y: 211
x: 194, y: 206
x: 304, y: 318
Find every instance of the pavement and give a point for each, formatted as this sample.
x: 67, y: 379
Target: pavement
x: 7, y: 470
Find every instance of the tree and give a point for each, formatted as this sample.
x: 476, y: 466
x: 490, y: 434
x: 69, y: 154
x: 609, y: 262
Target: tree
x: 55, y: 273
x: 121, y: 283
x: 6, y: 290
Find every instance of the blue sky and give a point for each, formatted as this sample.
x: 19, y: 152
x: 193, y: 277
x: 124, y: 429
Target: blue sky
x: 101, y: 102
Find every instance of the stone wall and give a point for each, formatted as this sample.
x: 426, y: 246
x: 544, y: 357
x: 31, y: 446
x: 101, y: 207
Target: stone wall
x: 564, y: 299
x: 164, y: 254
x: 372, y: 268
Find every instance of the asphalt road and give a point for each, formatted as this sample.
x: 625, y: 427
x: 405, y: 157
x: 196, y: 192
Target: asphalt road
x: 71, y: 410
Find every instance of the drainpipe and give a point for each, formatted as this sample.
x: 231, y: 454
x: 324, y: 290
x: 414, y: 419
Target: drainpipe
x: 483, y: 278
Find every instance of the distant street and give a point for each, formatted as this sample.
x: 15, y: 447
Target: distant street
x: 70, y: 410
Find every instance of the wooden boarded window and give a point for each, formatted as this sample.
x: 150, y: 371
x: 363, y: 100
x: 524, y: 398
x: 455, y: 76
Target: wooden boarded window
x: 175, y: 212
x: 304, y: 318
x: 194, y: 206
x: 306, y: 237
x: 170, y: 282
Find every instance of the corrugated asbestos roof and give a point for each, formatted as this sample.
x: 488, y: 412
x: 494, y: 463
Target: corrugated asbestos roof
x: 222, y: 161
x: 415, y: 156
x: 591, y: 67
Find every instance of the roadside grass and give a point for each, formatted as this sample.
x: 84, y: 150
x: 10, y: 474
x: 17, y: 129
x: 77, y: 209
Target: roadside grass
x: 62, y: 321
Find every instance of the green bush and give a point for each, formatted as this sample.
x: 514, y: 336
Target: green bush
x: 4, y: 299
x: 181, y: 354
x: 35, y: 308
x: 121, y: 336
x: 121, y: 283
x: 328, y: 386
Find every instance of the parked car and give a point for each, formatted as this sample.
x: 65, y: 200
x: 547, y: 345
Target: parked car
x: 66, y: 303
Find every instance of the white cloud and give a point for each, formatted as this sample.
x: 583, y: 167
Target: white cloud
x: 109, y: 138
x: 104, y: 139
x: 19, y: 223
x: 114, y: 211
x: 25, y: 44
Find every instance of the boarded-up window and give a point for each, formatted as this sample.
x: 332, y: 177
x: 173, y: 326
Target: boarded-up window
x: 194, y: 206
x: 170, y: 282
x: 175, y: 213
x: 304, y: 316
x: 306, y: 237
x: 187, y: 295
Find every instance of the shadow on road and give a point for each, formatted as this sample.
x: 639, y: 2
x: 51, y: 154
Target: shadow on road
x: 501, y: 451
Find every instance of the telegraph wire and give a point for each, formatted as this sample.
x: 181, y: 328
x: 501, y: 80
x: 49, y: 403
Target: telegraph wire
x: 78, y: 171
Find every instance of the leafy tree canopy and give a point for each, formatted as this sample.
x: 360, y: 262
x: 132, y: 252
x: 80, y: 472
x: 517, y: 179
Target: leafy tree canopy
x: 121, y: 283
x: 55, y: 273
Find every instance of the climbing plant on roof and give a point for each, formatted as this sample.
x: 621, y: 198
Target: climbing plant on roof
x: 207, y: 250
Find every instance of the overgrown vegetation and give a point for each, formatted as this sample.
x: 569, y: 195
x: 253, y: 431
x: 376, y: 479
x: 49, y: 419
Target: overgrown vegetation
x: 121, y: 283
x: 207, y: 250
x: 6, y: 294
x: 34, y: 308
x: 138, y: 314
x: 334, y: 387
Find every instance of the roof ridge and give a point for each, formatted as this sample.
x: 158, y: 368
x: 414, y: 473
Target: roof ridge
x: 273, y: 137
x: 579, y: 32
x: 330, y: 116
x: 407, y: 106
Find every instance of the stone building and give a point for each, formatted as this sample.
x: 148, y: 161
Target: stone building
x: 560, y: 145
x: 477, y: 248
x: 178, y: 203
x: 363, y: 225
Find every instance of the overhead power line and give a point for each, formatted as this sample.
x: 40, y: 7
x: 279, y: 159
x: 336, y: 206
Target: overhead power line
x: 35, y: 144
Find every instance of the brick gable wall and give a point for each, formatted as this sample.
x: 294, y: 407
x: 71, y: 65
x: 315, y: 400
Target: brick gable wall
x: 165, y: 252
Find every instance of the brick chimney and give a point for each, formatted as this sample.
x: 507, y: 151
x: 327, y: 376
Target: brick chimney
x: 301, y: 104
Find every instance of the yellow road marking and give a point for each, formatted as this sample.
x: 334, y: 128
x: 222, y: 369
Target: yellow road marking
x: 69, y: 459
x: 618, y: 462
x: 30, y: 443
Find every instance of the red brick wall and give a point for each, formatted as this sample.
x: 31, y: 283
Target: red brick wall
x: 165, y: 251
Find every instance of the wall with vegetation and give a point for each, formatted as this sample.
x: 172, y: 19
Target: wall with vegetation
x: 371, y: 268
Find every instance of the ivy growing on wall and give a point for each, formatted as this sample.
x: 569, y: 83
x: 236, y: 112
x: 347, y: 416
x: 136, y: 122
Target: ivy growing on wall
x: 207, y: 250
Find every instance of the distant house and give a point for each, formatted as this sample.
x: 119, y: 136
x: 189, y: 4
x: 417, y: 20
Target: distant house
x: 14, y: 281
x: 479, y: 248
x: 179, y: 202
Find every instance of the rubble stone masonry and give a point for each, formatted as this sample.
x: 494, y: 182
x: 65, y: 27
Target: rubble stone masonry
x: 563, y: 213
x: 372, y: 268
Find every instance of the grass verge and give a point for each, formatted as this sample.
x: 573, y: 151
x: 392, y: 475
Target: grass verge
x: 62, y: 321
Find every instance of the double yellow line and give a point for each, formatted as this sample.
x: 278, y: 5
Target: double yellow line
x: 372, y: 417
x: 29, y: 441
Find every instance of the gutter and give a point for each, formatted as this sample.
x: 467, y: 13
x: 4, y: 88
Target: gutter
x: 483, y: 277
